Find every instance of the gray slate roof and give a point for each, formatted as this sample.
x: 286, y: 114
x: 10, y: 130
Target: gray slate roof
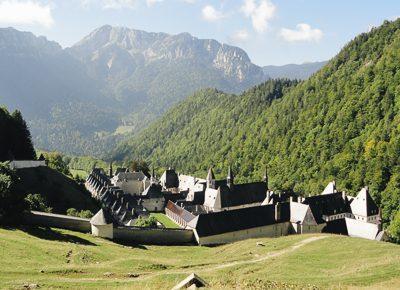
x: 246, y: 193
x: 327, y: 204
x: 240, y: 219
x: 101, y: 218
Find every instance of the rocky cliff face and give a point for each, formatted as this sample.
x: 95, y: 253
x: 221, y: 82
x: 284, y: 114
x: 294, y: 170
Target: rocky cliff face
x: 111, y: 51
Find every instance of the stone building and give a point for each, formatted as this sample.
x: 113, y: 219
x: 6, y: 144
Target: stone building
x: 102, y: 224
x: 227, y: 216
x: 226, y: 195
x: 169, y: 181
x: 133, y: 183
x: 232, y: 225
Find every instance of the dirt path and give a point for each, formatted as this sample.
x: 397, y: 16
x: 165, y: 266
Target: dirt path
x: 268, y: 256
x: 209, y: 268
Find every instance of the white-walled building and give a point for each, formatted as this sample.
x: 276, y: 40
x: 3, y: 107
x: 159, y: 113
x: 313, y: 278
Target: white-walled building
x: 133, y: 183
x: 226, y: 195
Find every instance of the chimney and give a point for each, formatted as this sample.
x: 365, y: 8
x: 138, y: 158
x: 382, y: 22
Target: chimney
x: 300, y: 199
x: 268, y: 196
x: 291, y: 199
x: 277, y: 211
x: 344, y: 195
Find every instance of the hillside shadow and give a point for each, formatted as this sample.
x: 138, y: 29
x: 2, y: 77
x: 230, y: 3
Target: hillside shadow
x: 55, y: 235
x: 129, y: 244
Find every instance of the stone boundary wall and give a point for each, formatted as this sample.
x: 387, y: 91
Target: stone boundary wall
x: 154, y: 236
x: 18, y: 164
x: 138, y: 235
x: 57, y: 221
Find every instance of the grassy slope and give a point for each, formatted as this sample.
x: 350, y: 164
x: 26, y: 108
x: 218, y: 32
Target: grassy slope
x: 60, y: 258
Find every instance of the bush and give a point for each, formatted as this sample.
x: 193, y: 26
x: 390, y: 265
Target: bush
x: 150, y: 222
x: 37, y: 202
x: 11, y: 202
x: 55, y: 161
x: 82, y: 214
x: 394, y: 228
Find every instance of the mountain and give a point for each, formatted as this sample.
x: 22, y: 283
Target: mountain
x: 342, y: 123
x: 83, y: 99
x: 64, y: 107
x: 293, y: 71
x: 149, y: 72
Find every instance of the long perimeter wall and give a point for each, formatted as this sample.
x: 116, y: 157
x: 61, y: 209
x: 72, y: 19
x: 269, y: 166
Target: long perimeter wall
x: 154, y: 236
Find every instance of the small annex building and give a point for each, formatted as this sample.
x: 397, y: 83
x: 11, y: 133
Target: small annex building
x: 192, y: 281
x: 102, y: 225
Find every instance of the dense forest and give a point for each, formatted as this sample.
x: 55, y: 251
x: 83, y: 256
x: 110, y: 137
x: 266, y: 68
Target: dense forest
x: 16, y: 142
x: 343, y: 124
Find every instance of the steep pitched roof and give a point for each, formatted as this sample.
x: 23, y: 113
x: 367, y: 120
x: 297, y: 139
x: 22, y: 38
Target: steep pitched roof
x: 153, y: 191
x: 330, y: 188
x: 246, y: 193
x: 190, y: 280
x: 327, y: 204
x: 179, y: 211
x: 170, y: 178
x: 240, y: 219
x: 301, y: 213
x: 101, y: 218
x: 363, y: 204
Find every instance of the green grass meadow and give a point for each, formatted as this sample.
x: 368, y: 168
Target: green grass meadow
x: 54, y: 258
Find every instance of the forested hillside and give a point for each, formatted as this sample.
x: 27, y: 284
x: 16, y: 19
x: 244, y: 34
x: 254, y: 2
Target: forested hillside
x: 343, y: 123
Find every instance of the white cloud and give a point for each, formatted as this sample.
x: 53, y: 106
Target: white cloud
x: 260, y: 12
x: 119, y: 4
x: 153, y: 2
x: 189, y: 1
x: 240, y: 35
x: 303, y: 32
x: 15, y: 12
x: 211, y: 14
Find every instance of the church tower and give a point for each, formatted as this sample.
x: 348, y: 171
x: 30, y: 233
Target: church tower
x: 230, y: 178
x: 210, y: 179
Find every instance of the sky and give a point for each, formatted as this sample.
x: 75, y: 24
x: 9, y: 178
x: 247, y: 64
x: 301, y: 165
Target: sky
x: 272, y: 32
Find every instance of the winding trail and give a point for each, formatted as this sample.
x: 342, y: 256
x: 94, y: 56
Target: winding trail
x: 209, y: 268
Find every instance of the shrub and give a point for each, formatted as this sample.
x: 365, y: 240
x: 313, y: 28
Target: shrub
x: 150, y: 222
x: 37, y: 202
x: 82, y: 214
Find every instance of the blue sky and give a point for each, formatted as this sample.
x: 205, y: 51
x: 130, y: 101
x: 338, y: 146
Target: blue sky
x: 270, y: 31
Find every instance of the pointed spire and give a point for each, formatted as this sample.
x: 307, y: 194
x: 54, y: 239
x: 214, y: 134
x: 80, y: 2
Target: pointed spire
x: 266, y: 177
x: 210, y: 178
x: 110, y: 172
x: 210, y: 175
x: 153, y: 176
x: 230, y: 177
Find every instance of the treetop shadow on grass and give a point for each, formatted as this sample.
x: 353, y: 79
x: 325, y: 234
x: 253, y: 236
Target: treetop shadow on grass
x: 50, y: 234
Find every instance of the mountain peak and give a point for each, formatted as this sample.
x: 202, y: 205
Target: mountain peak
x: 109, y: 44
